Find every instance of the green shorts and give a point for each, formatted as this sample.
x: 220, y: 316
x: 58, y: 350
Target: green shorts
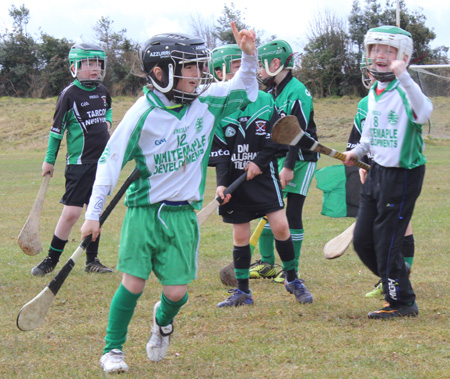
x: 303, y: 176
x: 160, y: 238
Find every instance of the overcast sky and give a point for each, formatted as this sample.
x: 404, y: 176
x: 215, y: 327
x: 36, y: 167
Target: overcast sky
x: 75, y: 19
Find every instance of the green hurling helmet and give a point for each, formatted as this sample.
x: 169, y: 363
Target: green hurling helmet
x: 276, y: 49
x: 87, y: 52
x: 390, y: 36
x: 221, y: 59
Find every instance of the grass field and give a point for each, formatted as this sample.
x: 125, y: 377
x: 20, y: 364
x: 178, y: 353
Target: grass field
x: 277, y: 337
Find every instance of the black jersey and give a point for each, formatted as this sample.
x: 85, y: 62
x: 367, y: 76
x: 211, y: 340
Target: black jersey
x: 244, y: 137
x: 82, y: 112
x: 293, y: 98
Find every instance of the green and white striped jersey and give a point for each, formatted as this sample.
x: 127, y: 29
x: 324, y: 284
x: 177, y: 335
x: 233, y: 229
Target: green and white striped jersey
x: 170, y: 143
x: 391, y: 133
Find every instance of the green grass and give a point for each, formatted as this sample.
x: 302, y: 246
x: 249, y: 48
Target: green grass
x: 277, y: 337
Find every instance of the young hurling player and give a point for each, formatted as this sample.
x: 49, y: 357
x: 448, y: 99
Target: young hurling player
x: 392, y: 134
x: 243, y: 144
x: 355, y: 135
x: 168, y: 133
x: 83, y: 111
x: 297, y: 169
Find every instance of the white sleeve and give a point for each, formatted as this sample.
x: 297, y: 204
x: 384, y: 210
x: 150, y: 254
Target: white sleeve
x: 96, y: 202
x: 420, y: 104
x: 247, y: 72
x: 363, y: 146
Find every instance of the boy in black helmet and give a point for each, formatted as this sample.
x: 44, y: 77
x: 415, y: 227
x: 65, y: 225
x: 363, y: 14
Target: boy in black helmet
x: 83, y: 111
x: 168, y: 133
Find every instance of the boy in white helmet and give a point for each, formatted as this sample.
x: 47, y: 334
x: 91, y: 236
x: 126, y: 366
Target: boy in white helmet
x: 408, y: 245
x: 392, y: 134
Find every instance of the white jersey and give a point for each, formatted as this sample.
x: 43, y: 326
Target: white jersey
x: 392, y: 131
x: 170, y: 143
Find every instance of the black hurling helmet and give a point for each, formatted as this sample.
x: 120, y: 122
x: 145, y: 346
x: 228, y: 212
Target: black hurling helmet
x: 170, y: 52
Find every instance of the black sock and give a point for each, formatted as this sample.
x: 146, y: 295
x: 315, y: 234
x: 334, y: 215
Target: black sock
x: 243, y: 285
x: 92, y: 250
x: 290, y: 275
x: 242, y: 258
x: 56, y: 248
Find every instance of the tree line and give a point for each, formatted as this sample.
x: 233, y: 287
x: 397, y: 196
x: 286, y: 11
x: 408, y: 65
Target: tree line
x: 328, y: 64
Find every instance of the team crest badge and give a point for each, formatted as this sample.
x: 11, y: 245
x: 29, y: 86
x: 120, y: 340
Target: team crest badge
x: 230, y: 132
x: 393, y: 118
x: 260, y: 128
x: 199, y: 125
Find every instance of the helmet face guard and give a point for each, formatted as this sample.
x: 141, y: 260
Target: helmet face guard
x: 93, y: 55
x: 222, y: 59
x: 365, y: 77
x: 171, y: 52
x: 390, y: 36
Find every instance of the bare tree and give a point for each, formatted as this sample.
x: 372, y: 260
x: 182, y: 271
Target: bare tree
x: 203, y: 28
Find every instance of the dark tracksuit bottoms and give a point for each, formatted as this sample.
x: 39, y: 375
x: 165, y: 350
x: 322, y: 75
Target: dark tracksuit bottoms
x: 387, y: 202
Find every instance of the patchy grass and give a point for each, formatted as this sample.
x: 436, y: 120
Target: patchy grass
x: 277, y: 337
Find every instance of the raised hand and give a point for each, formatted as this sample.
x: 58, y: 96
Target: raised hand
x: 245, y: 39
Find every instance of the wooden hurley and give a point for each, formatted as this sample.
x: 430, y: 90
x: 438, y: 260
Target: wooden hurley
x: 287, y: 131
x: 339, y: 244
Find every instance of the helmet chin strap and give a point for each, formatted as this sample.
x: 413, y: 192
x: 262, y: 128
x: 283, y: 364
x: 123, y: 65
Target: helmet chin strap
x: 169, y: 86
x: 224, y: 72
x: 266, y: 67
x: 382, y: 76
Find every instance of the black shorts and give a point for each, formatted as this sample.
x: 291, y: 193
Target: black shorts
x: 79, y: 182
x: 253, y: 199
x: 242, y: 216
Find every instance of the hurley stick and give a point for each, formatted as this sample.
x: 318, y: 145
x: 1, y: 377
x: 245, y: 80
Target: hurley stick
x: 287, y: 131
x: 29, y: 240
x: 339, y: 244
x: 33, y: 313
x: 208, y: 210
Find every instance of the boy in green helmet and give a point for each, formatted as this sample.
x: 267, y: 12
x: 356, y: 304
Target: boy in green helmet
x: 83, y: 111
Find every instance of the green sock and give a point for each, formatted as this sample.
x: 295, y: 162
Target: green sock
x: 266, y: 243
x: 168, y: 309
x: 297, y: 239
x: 120, y: 314
x: 409, y: 260
x: 407, y: 248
